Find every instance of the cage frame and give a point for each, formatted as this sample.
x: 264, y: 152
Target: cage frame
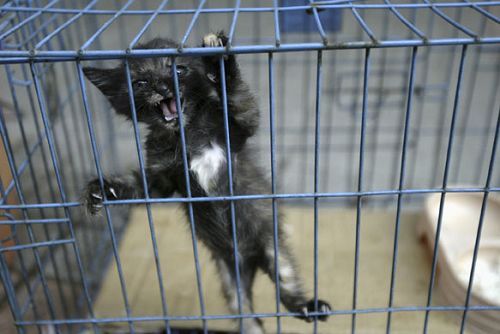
x: 36, y: 55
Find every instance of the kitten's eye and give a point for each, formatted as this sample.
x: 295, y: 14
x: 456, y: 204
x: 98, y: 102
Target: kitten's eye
x: 140, y: 83
x: 181, y: 70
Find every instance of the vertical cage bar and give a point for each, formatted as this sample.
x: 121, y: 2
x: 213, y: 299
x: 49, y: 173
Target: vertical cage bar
x: 462, y: 133
x: 147, y: 24
x: 480, y: 225
x: 106, y: 25
x: 31, y: 235
x: 27, y: 20
x: 188, y: 194
x: 402, y: 172
x: 377, y: 110
x: 64, y: 25
x: 78, y: 178
x: 231, y: 190
x: 438, y: 148
x: 24, y: 275
x: 445, y: 183
x: 316, y: 180
x: 366, y: 73
x: 100, y: 176
x: 495, y: 89
x: 64, y: 178
x: 146, y: 195
x: 401, y: 121
x: 90, y: 235
x: 36, y: 189
x: 330, y: 74
x: 53, y: 154
x: 420, y: 107
x: 121, y: 25
x: 191, y: 24
x: 277, y: 37
x: 351, y: 178
x: 272, y: 133
x: 306, y: 102
x: 233, y: 23
x: 10, y: 293
x: 41, y: 263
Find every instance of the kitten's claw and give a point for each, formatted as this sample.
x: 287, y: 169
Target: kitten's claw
x: 113, y: 192
x: 307, y: 308
x: 94, y: 196
x: 212, y: 40
x: 305, y: 313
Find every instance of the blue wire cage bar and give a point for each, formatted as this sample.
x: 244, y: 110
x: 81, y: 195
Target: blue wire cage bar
x: 364, y: 104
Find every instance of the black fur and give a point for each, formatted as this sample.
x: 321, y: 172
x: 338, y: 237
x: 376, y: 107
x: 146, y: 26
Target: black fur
x: 200, y: 88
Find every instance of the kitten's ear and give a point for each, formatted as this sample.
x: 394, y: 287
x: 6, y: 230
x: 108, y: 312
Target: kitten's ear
x: 106, y: 79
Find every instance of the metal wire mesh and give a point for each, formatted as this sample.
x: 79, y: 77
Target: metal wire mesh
x: 370, y: 103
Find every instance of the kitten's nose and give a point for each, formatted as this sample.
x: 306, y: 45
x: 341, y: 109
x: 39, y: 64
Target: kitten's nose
x: 163, y: 90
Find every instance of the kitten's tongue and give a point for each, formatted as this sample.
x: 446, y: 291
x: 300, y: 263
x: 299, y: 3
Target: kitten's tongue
x: 169, y: 110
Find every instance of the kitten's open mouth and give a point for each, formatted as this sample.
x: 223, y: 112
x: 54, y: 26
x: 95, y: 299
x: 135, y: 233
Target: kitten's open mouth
x: 168, y: 108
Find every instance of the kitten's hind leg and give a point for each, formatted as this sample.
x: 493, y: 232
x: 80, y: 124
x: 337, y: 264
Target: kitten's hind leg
x: 229, y: 289
x: 291, y: 289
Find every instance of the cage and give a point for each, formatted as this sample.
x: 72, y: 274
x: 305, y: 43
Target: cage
x: 375, y: 115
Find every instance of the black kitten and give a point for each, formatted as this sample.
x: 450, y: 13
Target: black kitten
x: 203, y: 117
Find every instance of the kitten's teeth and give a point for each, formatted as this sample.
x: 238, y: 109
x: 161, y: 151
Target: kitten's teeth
x: 96, y: 196
x: 324, y: 308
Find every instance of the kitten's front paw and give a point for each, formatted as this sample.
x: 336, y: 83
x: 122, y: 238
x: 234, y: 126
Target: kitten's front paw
x: 215, y: 40
x: 94, y: 196
x: 307, y: 308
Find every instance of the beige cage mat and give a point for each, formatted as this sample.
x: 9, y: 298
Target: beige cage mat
x: 336, y: 266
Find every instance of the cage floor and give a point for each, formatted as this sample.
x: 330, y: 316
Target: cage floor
x: 335, y: 265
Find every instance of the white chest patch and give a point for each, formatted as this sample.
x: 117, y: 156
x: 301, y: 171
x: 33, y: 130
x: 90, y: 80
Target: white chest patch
x: 206, y: 165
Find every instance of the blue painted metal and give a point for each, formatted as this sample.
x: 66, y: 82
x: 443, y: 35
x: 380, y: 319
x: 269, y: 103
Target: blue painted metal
x: 236, y: 253
x: 361, y: 171
x: 402, y: 171
x: 445, y: 182
x: 309, y: 20
x: 142, y: 165
x: 190, y: 199
x: 272, y: 138
x: 319, y: 72
x: 38, y: 37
